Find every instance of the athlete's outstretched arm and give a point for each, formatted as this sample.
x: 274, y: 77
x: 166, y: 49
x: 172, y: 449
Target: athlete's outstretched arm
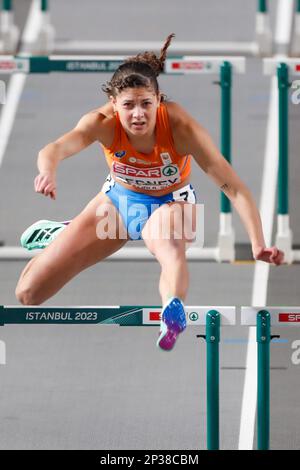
x: 87, y: 131
x: 198, y: 143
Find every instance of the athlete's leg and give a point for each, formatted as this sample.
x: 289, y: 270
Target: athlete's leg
x: 170, y: 219
x: 169, y: 224
x: 77, y: 247
x: 174, y: 276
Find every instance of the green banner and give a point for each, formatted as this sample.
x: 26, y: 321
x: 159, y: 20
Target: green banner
x: 124, y: 315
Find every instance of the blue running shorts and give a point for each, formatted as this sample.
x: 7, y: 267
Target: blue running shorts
x: 136, y: 208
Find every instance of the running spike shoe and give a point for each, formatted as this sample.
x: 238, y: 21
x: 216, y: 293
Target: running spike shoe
x: 173, y: 322
x: 41, y: 234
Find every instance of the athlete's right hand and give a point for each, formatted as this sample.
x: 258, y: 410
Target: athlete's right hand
x: 45, y: 183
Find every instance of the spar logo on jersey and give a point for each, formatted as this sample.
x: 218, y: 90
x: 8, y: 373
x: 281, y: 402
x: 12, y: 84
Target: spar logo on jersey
x: 120, y: 154
x: 147, y: 178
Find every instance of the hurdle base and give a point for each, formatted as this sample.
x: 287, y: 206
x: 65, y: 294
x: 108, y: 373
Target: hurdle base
x: 45, y: 41
x: 9, y: 33
x: 226, y: 239
x: 296, y: 39
x: 284, y: 237
x: 296, y: 256
x: 263, y: 34
x: 284, y: 243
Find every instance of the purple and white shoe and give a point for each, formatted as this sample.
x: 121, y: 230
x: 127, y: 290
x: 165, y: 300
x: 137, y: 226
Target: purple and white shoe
x: 173, y: 322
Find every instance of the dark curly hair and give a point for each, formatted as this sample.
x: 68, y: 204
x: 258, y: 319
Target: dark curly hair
x: 141, y: 70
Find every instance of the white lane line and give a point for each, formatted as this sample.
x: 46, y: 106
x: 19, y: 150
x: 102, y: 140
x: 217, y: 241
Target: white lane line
x: 261, y: 273
x: 267, y: 211
x: 17, y: 82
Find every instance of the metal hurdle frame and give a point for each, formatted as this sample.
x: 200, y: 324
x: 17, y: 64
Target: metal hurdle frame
x: 283, y: 67
x: 210, y: 317
x: 264, y: 318
x: 45, y: 41
x: 222, y: 66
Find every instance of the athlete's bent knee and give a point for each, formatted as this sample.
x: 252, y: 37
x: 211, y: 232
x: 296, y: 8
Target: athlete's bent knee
x: 170, y: 249
x: 26, y: 296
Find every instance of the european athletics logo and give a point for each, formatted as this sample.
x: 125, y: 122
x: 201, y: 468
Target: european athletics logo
x: 120, y: 154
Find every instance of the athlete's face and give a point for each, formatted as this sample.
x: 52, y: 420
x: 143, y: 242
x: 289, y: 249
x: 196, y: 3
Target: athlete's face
x: 137, y: 109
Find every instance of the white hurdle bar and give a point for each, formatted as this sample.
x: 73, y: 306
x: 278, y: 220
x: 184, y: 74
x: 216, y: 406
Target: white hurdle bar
x: 124, y: 254
x: 279, y: 316
x: 123, y: 315
x: 179, y: 47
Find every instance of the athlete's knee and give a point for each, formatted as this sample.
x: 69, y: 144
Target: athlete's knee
x: 27, y: 294
x: 168, y: 249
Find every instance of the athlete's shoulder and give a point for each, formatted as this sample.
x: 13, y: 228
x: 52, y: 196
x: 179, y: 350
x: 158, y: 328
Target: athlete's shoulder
x: 100, y: 122
x: 178, y: 116
x: 101, y: 115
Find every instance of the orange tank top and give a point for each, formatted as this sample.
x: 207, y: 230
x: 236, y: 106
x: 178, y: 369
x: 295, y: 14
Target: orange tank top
x: 161, y: 169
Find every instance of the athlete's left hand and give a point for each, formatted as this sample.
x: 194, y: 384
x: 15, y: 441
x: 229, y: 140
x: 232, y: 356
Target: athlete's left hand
x: 270, y: 255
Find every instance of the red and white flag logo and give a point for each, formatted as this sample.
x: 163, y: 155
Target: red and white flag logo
x: 289, y: 317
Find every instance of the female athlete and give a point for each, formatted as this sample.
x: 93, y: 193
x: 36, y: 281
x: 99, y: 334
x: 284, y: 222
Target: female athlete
x: 148, y: 143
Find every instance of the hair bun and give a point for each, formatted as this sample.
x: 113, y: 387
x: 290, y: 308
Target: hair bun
x: 151, y: 59
x: 141, y: 70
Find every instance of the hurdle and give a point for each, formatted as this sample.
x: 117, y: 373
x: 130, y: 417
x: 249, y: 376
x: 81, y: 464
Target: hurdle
x: 210, y: 317
x: 262, y: 44
x: 10, y: 34
x: 263, y: 33
x: 264, y: 318
x: 284, y: 236
x: 224, y: 67
x: 45, y: 41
